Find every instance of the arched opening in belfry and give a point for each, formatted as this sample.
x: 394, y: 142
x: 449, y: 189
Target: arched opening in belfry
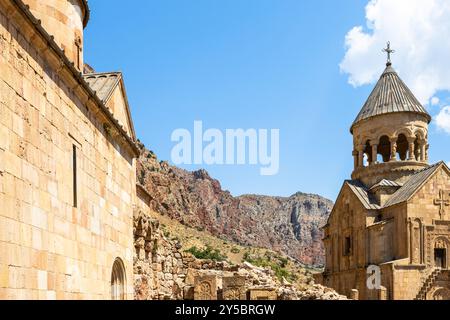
x: 367, y: 154
x: 384, y: 148
x: 118, y: 280
x: 402, y: 147
x: 417, y: 148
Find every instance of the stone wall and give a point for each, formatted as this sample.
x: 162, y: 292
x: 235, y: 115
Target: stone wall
x: 50, y: 248
x: 64, y: 19
x: 348, y: 220
x: 159, y: 269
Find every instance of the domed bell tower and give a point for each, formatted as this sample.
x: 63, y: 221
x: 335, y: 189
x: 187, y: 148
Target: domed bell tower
x: 390, y: 134
x: 65, y: 20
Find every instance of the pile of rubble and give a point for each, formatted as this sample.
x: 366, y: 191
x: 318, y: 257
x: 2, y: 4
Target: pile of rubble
x: 162, y: 270
x: 248, y: 281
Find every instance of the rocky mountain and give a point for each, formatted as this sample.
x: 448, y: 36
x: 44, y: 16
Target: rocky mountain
x: 290, y: 225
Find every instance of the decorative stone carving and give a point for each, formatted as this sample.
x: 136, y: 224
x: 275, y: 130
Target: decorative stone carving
x: 205, y: 288
x: 440, y: 243
x: 262, y: 294
x: 233, y: 288
x: 416, y: 247
x: 145, y: 237
x: 439, y: 293
x: 442, y: 202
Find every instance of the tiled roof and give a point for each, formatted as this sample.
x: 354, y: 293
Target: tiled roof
x: 386, y: 183
x: 360, y: 190
x: 390, y: 95
x: 103, y: 84
x: 412, y: 185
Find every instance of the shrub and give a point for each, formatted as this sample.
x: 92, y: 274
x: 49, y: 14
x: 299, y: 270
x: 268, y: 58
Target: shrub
x: 206, y: 254
x: 235, y: 250
x: 283, y: 261
x: 278, y: 267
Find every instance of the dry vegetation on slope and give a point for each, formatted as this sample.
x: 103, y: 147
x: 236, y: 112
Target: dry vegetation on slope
x: 284, y: 267
x: 289, y: 225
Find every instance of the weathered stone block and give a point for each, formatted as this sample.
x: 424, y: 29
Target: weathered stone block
x: 262, y: 294
x: 205, y: 288
x: 233, y: 288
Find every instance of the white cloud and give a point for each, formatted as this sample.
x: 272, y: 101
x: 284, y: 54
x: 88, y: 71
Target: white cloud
x: 443, y: 119
x: 418, y: 30
x: 435, y: 101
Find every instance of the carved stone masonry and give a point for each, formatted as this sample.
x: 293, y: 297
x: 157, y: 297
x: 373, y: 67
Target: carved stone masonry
x: 205, y: 288
x: 262, y: 294
x: 442, y: 202
x: 233, y: 288
x: 144, y: 230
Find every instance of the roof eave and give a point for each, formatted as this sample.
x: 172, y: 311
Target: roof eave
x: 426, y: 115
x: 435, y: 169
x: 76, y: 74
x: 87, y: 13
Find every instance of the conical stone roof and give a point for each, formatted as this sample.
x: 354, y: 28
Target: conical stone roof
x: 390, y: 95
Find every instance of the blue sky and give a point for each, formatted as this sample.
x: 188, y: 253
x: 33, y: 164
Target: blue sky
x: 242, y: 64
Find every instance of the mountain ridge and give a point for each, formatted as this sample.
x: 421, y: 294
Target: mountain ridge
x: 290, y: 225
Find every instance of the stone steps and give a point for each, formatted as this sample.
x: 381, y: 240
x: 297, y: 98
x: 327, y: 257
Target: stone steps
x: 428, y: 284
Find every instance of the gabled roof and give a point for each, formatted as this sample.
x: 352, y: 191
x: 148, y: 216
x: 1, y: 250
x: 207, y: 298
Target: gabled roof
x: 413, y: 185
x: 103, y: 83
x: 390, y: 95
x: 361, y: 192
x: 386, y: 183
x: 403, y: 194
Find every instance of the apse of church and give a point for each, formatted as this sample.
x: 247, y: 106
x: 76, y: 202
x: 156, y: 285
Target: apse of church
x: 394, y: 213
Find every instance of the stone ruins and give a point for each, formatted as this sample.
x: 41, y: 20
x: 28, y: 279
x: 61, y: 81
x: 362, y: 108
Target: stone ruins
x: 163, y: 271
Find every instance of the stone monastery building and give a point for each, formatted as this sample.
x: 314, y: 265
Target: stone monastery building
x: 395, y: 211
x: 67, y: 160
x: 74, y: 224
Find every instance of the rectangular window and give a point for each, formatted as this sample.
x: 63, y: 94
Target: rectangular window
x: 74, y: 175
x: 347, y: 246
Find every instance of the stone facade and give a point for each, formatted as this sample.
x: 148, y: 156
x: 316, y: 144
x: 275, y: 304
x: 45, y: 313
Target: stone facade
x: 67, y: 167
x: 73, y: 222
x: 395, y: 212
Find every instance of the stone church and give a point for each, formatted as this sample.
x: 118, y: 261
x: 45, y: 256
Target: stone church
x: 67, y: 160
x: 394, y: 213
x: 74, y: 222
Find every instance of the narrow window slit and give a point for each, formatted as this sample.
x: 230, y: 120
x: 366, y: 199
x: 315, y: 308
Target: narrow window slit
x: 74, y: 176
